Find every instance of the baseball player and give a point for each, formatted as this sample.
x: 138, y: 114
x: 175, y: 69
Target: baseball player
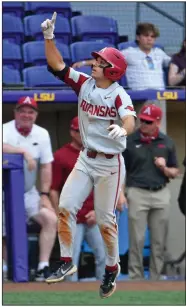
x: 86, y: 229
x: 102, y: 103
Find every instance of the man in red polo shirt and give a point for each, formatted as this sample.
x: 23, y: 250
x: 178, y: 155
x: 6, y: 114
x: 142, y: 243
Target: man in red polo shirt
x: 64, y: 161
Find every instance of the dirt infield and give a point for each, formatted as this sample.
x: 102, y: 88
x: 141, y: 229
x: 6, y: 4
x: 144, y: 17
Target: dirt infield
x: 93, y: 286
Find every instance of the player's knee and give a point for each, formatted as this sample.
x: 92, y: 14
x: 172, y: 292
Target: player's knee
x: 53, y: 219
x: 48, y: 218
x: 68, y: 204
x: 104, y: 218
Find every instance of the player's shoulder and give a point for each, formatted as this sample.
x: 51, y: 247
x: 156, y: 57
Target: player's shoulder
x: 62, y: 152
x: 158, y: 51
x: 133, y: 137
x: 40, y: 131
x: 122, y: 92
x: 76, y: 74
x: 9, y: 126
x: 167, y: 139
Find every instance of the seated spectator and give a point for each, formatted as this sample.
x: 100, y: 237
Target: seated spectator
x: 145, y: 62
x: 177, y: 69
x: 151, y: 162
x: 64, y: 161
x: 23, y: 136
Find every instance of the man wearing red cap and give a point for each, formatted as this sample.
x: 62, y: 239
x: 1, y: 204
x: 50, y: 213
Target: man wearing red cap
x: 150, y: 160
x: 64, y: 161
x: 23, y: 136
x: 106, y: 117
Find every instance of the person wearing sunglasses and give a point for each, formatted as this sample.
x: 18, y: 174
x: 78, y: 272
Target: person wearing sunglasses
x: 150, y: 159
x: 86, y: 228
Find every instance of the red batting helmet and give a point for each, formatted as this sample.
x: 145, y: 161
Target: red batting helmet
x: 117, y: 63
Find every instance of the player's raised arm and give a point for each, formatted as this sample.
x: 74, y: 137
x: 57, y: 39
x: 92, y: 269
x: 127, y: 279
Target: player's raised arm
x: 53, y: 56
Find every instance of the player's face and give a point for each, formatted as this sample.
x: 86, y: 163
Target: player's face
x: 97, y: 68
x: 146, y: 41
x: 25, y: 117
x: 148, y: 127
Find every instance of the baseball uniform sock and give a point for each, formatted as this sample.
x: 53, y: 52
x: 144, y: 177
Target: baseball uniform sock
x: 5, y: 269
x: 111, y: 268
x: 42, y: 264
x: 66, y: 259
x: 5, y: 272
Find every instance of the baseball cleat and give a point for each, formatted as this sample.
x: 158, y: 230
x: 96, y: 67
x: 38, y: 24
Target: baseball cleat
x: 65, y: 269
x: 108, y: 285
x: 41, y: 275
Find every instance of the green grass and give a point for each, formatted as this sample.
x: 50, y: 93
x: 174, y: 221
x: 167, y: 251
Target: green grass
x: 92, y: 298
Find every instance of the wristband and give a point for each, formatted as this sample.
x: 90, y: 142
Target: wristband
x: 45, y: 193
x: 83, y: 63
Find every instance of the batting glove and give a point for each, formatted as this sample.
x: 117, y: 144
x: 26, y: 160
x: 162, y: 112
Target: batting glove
x: 116, y: 131
x: 48, y: 27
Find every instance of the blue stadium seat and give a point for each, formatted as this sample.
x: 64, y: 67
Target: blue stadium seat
x: 123, y: 81
x: 85, y: 69
x: 13, y: 29
x: 123, y: 232
x: 95, y: 28
x: 126, y: 45
x: 82, y: 50
x: 86, y: 248
x: 146, y: 250
x: 33, y: 27
x: 34, y: 53
x: 39, y: 76
x: 11, y: 76
x: 123, y: 235
x: 62, y: 7
x: 12, y: 55
x: 13, y: 8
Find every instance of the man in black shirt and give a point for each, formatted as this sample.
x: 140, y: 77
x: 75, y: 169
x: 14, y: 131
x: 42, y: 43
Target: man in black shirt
x: 150, y: 160
x: 182, y: 192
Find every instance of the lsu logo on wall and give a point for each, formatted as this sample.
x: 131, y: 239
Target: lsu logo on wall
x: 44, y: 97
x: 167, y: 95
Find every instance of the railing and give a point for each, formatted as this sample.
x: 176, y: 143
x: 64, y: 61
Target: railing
x: 161, y: 12
x: 16, y: 234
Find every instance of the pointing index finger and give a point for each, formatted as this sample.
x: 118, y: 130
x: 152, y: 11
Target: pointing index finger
x: 54, y: 16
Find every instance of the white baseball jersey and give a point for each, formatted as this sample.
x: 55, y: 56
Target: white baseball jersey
x: 37, y: 143
x: 98, y: 108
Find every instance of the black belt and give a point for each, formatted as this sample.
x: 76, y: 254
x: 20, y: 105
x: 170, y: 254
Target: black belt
x: 93, y: 154
x: 156, y: 188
